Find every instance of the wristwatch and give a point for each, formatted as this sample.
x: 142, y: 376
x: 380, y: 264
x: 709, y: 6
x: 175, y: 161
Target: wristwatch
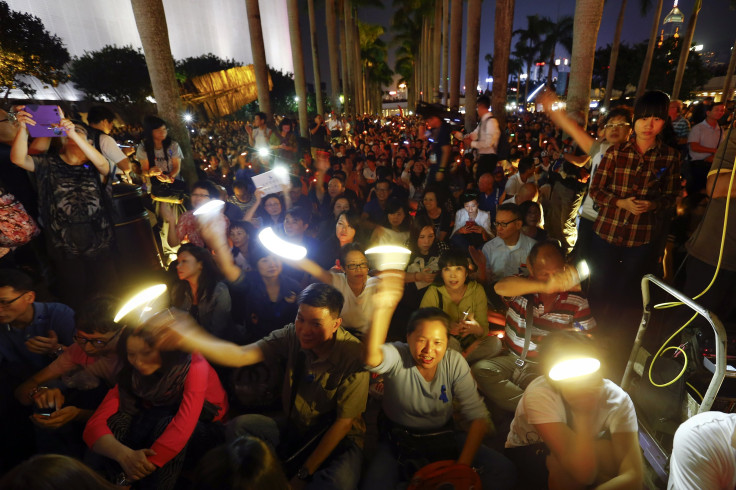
x: 303, y: 473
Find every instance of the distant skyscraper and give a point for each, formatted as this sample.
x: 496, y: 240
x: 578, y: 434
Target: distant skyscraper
x: 673, y: 22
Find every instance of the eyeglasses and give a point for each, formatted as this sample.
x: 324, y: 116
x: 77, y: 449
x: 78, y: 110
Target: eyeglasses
x: 3, y: 304
x: 501, y: 224
x: 355, y: 267
x: 616, y: 125
x: 95, y: 342
x: 207, y: 196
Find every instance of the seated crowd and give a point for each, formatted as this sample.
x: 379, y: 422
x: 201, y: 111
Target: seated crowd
x: 260, y: 375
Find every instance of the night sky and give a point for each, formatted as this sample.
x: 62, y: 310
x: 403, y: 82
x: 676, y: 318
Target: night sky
x: 714, y: 28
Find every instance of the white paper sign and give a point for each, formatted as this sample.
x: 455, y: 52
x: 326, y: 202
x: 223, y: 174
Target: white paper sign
x: 271, y: 182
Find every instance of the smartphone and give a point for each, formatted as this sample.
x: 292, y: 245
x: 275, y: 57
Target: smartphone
x: 47, y: 119
x: 43, y: 412
x: 470, y: 223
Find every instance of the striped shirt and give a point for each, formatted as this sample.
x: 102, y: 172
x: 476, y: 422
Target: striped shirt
x: 569, y: 311
x: 623, y: 173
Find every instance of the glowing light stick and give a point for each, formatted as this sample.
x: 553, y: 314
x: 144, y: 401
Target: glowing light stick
x: 389, y: 257
x: 142, y: 300
x: 281, y: 247
x: 574, y: 368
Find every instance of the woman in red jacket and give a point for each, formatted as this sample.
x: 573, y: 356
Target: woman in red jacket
x: 146, y: 421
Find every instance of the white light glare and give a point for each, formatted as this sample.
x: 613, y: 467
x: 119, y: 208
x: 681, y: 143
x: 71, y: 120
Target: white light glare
x: 574, y: 368
x: 188, y: 118
x: 263, y: 152
x: 210, y: 207
x: 281, y: 247
x: 389, y: 257
x: 145, y: 297
x: 583, y: 270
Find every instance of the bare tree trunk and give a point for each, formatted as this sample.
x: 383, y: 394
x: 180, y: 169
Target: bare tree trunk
x: 332, y: 52
x: 456, y: 33
x: 295, y: 34
x: 644, y: 76
x: 357, y: 65
x: 426, y: 67
x: 551, y: 67
x: 445, y: 50
x: 504, y: 23
x: 343, y: 59
x: 259, y: 57
x: 436, y: 51
x: 614, y: 56
x: 727, y: 88
x: 687, y: 41
x: 588, y: 14
x: 472, y: 48
x: 150, y: 19
x: 350, y: 55
x: 315, y: 58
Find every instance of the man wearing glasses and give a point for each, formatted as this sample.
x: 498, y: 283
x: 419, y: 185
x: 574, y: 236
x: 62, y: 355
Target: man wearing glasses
x: 506, y: 254
x: 87, y: 370
x: 31, y: 335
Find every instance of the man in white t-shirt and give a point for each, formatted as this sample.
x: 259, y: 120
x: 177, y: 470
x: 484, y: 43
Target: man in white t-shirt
x: 506, y: 254
x: 585, y: 424
x: 704, y: 453
x: 101, y: 118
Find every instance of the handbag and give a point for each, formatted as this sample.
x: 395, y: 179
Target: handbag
x: 445, y: 475
x: 414, y: 449
x: 17, y: 227
x: 170, y: 192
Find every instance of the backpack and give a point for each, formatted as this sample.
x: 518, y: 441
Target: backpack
x: 445, y: 475
x: 503, y: 148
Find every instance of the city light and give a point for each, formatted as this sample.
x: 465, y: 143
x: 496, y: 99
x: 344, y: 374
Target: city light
x: 188, y: 117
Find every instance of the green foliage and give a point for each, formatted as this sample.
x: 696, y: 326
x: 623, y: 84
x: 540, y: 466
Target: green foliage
x: 116, y: 73
x: 661, y: 74
x: 200, y: 65
x: 27, y: 48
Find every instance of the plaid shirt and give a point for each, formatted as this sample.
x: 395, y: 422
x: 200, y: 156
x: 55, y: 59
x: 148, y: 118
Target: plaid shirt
x: 623, y: 173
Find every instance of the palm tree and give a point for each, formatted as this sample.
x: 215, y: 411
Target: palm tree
x: 445, y: 50
x: 436, y: 50
x: 529, y: 44
x: 456, y: 32
x: 150, y: 19
x: 726, y: 94
x: 347, y: 14
x: 644, y: 77
x: 374, y: 54
x: 588, y: 14
x: 297, y: 55
x: 504, y: 22
x: 315, y: 57
x: 472, y: 47
x: 559, y: 32
x: 330, y: 22
x: 685, y: 48
x: 259, y: 56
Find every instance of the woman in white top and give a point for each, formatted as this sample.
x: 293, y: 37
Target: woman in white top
x: 472, y: 225
x: 353, y: 282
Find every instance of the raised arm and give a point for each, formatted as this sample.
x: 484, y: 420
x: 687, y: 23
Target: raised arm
x: 565, y: 280
x: 213, y: 231
x: 547, y: 98
x: 95, y: 157
x: 19, y: 150
x: 179, y: 331
x: 385, y: 299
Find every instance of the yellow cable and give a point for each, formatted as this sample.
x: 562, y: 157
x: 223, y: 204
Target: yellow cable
x: 672, y: 304
x: 695, y: 390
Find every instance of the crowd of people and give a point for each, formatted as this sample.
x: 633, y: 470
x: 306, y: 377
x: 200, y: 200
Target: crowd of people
x: 264, y: 372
